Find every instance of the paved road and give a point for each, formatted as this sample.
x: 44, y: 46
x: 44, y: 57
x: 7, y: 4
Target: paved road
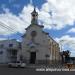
x: 15, y: 71
x: 4, y: 70
x: 25, y: 71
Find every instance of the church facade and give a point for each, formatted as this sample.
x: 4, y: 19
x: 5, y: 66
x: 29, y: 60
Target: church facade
x: 37, y: 46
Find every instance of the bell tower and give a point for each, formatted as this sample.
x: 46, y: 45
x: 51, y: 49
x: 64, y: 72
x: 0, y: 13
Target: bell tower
x: 34, y: 15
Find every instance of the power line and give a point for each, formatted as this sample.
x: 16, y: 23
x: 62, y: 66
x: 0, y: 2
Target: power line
x: 3, y: 25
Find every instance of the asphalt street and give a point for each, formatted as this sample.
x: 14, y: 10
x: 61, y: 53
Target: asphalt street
x: 4, y: 70
x: 15, y: 71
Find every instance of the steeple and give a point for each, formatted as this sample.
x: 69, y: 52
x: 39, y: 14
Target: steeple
x: 34, y: 15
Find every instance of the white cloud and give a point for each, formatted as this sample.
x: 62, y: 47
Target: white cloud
x: 25, y: 15
x: 72, y: 54
x: 72, y: 30
x: 63, y: 14
x: 67, y: 42
x: 66, y: 39
x: 10, y: 23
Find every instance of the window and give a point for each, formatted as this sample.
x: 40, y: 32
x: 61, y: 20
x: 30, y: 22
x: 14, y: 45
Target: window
x: 10, y: 45
x: 33, y: 33
x: 1, y: 52
x: 20, y: 45
x: 1, y: 46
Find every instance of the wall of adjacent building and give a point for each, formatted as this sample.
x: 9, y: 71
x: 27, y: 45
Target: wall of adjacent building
x: 4, y: 49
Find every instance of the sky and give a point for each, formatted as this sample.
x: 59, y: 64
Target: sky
x: 57, y: 17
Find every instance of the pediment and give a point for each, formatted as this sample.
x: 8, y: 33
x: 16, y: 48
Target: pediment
x: 41, y: 26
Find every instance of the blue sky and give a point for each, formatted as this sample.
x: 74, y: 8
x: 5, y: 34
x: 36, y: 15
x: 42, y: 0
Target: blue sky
x: 16, y: 6
x: 15, y: 16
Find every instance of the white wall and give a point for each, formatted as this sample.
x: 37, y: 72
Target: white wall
x: 4, y: 57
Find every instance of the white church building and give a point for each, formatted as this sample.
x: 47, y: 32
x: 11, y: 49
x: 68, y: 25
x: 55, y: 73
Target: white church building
x: 37, y: 46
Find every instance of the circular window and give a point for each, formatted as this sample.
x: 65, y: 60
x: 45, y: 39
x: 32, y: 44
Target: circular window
x: 33, y: 33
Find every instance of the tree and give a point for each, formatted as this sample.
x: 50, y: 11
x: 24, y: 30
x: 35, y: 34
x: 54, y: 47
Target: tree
x: 65, y: 56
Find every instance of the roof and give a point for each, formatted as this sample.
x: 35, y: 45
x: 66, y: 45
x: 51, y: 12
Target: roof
x: 31, y: 25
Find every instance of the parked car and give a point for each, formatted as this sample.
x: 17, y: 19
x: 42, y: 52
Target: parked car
x: 17, y: 64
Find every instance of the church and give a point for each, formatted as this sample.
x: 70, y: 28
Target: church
x: 37, y: 46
